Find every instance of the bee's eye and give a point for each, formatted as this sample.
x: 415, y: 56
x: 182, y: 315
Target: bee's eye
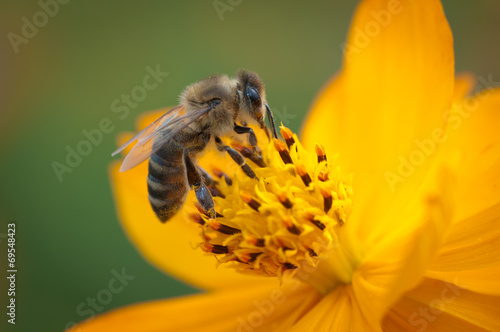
x: 252, y: 94
x: 214, y: 102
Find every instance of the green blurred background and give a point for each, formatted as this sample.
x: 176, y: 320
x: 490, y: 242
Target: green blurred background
x: 64, y: 80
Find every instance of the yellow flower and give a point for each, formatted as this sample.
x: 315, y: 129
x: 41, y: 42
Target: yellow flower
x: 411, y: 243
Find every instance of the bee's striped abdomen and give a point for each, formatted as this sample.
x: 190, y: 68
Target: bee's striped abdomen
x: 167, y: 181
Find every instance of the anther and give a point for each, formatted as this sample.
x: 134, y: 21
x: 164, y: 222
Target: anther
x: 301, y: 170
x: 287, y: 136
x: 220, y: 174
x: 291, y: 227
x: 197, y: 218
x: 339, y: 217
x: 289, y: 266
x: 323, y: 176
x: 320, y: 151
x: 215, y: 248
x: 221, y: 228
x: 247, y: 257
x: 250, y: 201
x: 284, y: 200
x: 216, y: 192
x: 327, y: 200
x: 284, y: 154
x: 310, y: 217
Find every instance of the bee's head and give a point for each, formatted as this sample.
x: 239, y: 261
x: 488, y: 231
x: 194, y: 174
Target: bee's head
x: 253, y: 103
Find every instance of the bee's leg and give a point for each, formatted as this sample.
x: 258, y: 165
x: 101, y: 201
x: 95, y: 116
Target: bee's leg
x: 210, y: 182
x: 207, y: 178
x: 255, y: 154
x: 236, y: 156
x: 252, y: 139
x: 195, y: 180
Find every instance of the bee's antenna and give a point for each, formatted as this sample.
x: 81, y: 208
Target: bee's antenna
x: 271, y: 121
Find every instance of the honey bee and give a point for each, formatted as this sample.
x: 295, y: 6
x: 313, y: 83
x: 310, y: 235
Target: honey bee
x: 214, y: 107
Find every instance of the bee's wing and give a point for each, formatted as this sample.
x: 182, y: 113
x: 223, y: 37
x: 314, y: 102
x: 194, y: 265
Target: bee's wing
x: 152, y: 138
x: 146, y: 132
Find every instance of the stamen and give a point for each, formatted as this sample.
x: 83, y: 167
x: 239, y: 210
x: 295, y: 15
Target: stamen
x: 313, y: 253
x: 247, y: 257
x: 289, y: 266
x: 282, y: 150
x: 323, y: 176
x: 252, y: 240
x: 225, y: 229
x: 220, y: 174
x: 320, y: 151
x: 250, y: 201
x: 284, y: 200
x: 303, y: 174
x: 327, y: 200
x: 214, y: 248
x: 216, y: 192
x: 310, y: 217
x: 291, y: 227
x: 249, y: 153
x: 197, y: 218
x: 287, y: 136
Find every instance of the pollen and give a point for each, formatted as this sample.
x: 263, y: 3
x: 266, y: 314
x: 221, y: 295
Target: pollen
x: 292, y: 217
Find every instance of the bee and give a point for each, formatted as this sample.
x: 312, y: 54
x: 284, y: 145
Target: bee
x: 214, y: 107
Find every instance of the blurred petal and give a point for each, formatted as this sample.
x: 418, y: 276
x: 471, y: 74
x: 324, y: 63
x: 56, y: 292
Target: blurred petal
x: 396, y: 84
x: 337, y: 311
x: 259, y: 308
x: 440, y: 306
x: 470, y: 253
x: 398, y: 263
x: 473, y: 129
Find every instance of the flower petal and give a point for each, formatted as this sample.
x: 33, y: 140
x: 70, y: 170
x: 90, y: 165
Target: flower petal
x: 473, y: 131
x: 398, y: 262
x: 439, y: 306
x: 472, y: 245
x: 259, y: 308
x: 337, y: 311
x: 470, y: 253
x: 396, y: 84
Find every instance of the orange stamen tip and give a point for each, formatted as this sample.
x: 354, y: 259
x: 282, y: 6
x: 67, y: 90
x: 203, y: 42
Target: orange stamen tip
x: 308, y: 216
x: 250, y: 239
x: 279, y: 145
x: 287, y: 222
x: 214, y: 224
x: 323, y: 176
x: 207, y: 247
x: 282, y: 197
x: 217, y: 172
x: 196, y: 218
x: 286, y: 133
x: 320, y: 150
x: 301, y: 169
x: 244, y: 257
x: 246, y: 197
x: 325, y: 193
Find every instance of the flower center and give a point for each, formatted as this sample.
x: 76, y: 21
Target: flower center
x: 293, y: 221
